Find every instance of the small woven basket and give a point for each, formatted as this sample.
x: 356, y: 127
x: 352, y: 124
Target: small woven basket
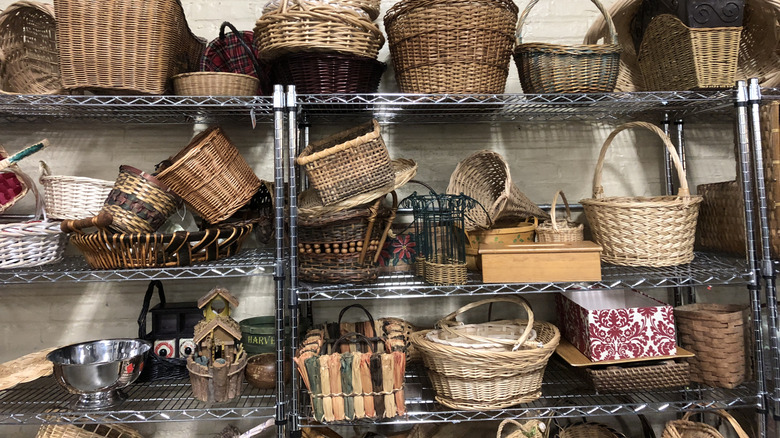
x: 526, y: 429
x: 72, y: 197
x: 215, y: 84
x: 715, y: 333
x: 114, y: 430
x: 556, y: 68
x: 721, y: 224
x: 328, y: 73
x: 552, y: 231
x: 348, y: 163
x: 673, y: 56
x: 124, y: 45
x: 589, y: 430
x: 470, y: 379
x: 685, y: 428
x: 668, y: 374
x: 211, y: 176
x: 643, y: 231
x: 310, y: 26
x: 451, y: 46
x: 484, y: 176
x: 29, y: 49
x: 138, y: 202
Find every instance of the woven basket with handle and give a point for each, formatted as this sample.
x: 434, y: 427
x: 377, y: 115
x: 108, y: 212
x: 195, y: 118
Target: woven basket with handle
x: 685, y: 428
x: 556, y: 68
x: 643, y: 231
x: 72, y: 197
x: 554, y: 231
x: 589, y: 430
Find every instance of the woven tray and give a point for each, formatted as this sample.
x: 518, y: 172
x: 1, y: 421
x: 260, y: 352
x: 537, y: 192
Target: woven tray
x: 668, y: 374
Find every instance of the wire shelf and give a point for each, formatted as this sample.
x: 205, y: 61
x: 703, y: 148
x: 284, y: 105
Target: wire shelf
x: 565, y: 394
x: 135, y: 109
x: 75, y: 269
x: 705, y: 270
x: 44, y: 401
x: 424, y: 108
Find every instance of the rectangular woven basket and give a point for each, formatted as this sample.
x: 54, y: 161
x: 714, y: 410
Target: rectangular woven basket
x: 667, y: 374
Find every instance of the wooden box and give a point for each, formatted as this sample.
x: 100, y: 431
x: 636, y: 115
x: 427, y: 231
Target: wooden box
x: 540, y: 262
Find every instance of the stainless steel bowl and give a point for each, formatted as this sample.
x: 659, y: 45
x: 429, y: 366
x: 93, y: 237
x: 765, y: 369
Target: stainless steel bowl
x: 96, y: 370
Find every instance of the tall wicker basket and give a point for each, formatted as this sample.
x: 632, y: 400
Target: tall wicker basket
x: 643, y: 231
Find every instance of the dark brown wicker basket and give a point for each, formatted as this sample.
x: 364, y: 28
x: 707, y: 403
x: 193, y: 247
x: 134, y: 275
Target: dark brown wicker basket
x: 328, y: 73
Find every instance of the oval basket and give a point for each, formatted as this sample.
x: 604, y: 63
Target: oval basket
x: 72, y: 197
x: 686, y: 428
x: 643, y: 231
x: 328, y: 73
x: 215, y: 84
x: 567, y: 231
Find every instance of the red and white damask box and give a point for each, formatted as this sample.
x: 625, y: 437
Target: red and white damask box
x: 616, y: 324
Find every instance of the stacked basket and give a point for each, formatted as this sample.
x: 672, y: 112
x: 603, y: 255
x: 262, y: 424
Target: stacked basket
x: 322, y: 46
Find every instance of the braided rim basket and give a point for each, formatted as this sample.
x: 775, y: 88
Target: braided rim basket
x: 451, y: 46
x: 72, y: 197
x: 556, y: 68
x: 467, y: 378
x: 643, y: 231
x: 310, y: 26
x: 27, y: 38
x: 686, y: 428
x: 552, y: 231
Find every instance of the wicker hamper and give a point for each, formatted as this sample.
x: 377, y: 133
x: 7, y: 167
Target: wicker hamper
x: 451, y: 46
x: 643, y: 231
x: 124, y: 46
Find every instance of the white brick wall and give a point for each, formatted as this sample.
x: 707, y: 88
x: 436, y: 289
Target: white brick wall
x: 544, y: 157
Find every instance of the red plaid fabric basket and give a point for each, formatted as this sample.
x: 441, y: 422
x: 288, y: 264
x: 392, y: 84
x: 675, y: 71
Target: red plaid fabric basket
x: 232, y: 54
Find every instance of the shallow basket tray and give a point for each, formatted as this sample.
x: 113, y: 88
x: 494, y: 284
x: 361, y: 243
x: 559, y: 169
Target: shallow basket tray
x: 668, y: 374
x: 104, y: 250
x: 215, y: 84
x: 72, y: 197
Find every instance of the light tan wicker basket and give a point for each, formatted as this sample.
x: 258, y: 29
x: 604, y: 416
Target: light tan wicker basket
x: 525, y: 429
x: 87, y: 431
x: 685, y: 428
x: 72, y: 197
x: 212, y: 83
x: 368, y: 7
x: 643, y: 231
x: 589, y: 430
x: 553, y: 231
x: 467, y: 378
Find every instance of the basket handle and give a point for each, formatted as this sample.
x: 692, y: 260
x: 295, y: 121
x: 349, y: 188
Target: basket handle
x: 358, y: 338
x: 552, y: 209
x: 726, y: 416
x: 24, y: 153
x: 598, y: 189
x: 102, y: 221
x: 44, y: 170
x: 145, y: 308
x: 610, y: 38
x: 357, y: 306
x: 247, y: 49
x: 523, y: 428
x: 389, y: 223
x: 449, y: 323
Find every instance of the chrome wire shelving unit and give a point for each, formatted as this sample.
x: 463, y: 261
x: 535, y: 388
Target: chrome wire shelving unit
x: 563, y: 391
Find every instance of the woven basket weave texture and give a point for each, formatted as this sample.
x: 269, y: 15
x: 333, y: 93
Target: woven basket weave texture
x: 138, y: 202
x: 669, y: 374
x: 555, y: 231
x: 215, y: 84
x: 72, y: 197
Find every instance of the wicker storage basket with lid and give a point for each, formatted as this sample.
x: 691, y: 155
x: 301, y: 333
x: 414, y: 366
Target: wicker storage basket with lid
x: 124, y: 46
x: 451, y: 46
x: 471, y: 379
x: 643, y: 231
x: 72, y: 197
x: 29, y: 61
x: 556, y: 68
x: 553, y: 231
x: 211, y: 176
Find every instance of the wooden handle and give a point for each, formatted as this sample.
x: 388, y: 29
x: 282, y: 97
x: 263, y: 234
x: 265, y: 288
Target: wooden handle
x: 102, y: 220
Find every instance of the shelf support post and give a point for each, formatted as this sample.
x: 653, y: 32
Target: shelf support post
x: 279, y: 275
x: 293, y: 137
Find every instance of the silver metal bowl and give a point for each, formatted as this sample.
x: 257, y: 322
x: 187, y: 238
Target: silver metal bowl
x: 96, y: 370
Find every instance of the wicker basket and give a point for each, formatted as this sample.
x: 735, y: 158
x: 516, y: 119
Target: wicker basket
x: 12, y: 186
x: 484, y: 176
x: 124, y: 46
x: 72, y: 197
x: 114, y: 430
x: 311, y: 26
x: 348, y: 163
x: 589, y: 430
x: 721, y: 224
x: 211, y: 176
x: 685, y: 428
x: 526, y: 429
x: 667, y: 374
x: 676, y: 57
x: 556, y: 68
x: 104, y: 250
x: 29, y: 49
x: 215, y: 84
x: 643, y: 231
x: 466, y: 378
x: 328, y: 73
x: 757, y: 46
x: 716, y: 334
x: 235, y: 52
x: 369, y: 7
x: 552, y: 231
x: 451, y: 46
x: 139, y: 202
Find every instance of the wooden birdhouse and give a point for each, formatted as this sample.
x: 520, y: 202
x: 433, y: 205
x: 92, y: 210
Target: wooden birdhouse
x: 217, y: 303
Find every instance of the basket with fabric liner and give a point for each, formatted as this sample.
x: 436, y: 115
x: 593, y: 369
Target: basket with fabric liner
x: 72, y: 197
x: 328, y: 73
x: 470, y: 379
x: 310, y: 26
x: 29, y: 62
x: 236, y: 53
x: 451, y: 46
x: 685, y: 428
x: 643, y: 231
x: 211, y: 176
x: 566, y: 231
x: 124, y: 46
x: 557, y: 68
x: 348, y: 163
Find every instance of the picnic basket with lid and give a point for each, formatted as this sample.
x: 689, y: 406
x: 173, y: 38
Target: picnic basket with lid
x: 72, y: 197
x: 557, y: 68
x: 480, y: 378
x: 554, y: 231
x: 643, y: 231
